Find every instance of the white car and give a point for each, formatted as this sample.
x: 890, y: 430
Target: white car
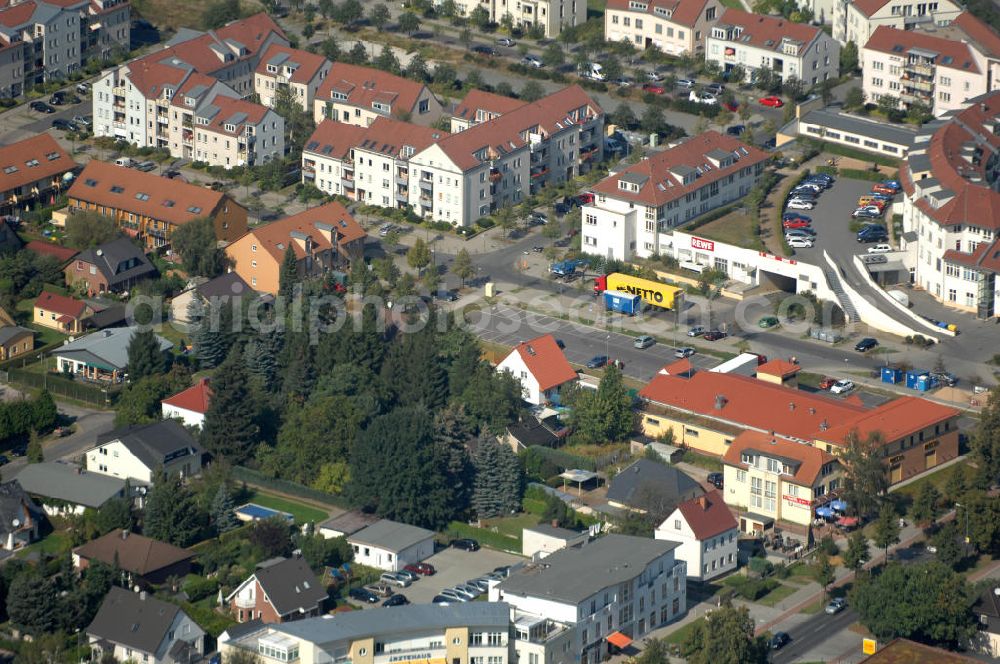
x: 654, y: 76
x: 703, y: 98
x: 506, y: 41
x: 532, y: 61
x: 686, y: 83
x: 800, y: 205
x: 880, y: 249
x: 800, y: 243
x: 841, y: 386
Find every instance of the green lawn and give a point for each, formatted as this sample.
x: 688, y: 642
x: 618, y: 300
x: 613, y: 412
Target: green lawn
x: 300, y: 511
x: 54, y: 543
x: 682, y: 634
x: 734, y: 228
x: 709, y: 463
x: 938, y: 478
x: 512, y: 526
x: 815, y: 607
x: 776, y: 595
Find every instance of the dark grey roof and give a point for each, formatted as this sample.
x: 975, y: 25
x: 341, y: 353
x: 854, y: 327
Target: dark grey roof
x: 574, y: 574
x: 64, y: 481
x: 882, y: 131
x: 531, y: 431
x: 11, y: 331
x: 349, y: 522
x: 718, y: 154
x: 644, y: 480
x: 154, y: 443
x: 397, y: 620
x: 16, y: 506
x: 391, y: 535
x: 135, y: 620
x: 229, y: 284
x: 239, y: 630
x: 107, y: 348
x: 290, y: 585
x: 114, y: 315
x: 118, y: 260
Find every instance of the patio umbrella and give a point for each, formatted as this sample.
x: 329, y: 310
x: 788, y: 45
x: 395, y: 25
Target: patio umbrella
x: 847, y: 521
x: 839, y: 505
x: 826, y: 512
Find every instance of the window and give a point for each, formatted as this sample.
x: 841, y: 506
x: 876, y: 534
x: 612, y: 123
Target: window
x: 944, y: 96
x: 741, y: 476
x: 677, y: 524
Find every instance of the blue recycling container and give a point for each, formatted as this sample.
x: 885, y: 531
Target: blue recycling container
x: 913, y: 376
x: 892, y: 375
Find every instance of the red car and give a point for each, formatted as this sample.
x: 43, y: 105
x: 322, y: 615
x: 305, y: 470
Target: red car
x: 772, y: 101
x: 731, y: 106
x: 654, y: 88
x: 714, y: 335
x: 795, y: 223
x: 585, y: 198
x: 827, y: 383
x: 423, y: 569
x: 883, y: 189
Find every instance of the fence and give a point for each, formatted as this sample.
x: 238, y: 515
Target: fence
x: 63, y: 387
x: 259, y: 479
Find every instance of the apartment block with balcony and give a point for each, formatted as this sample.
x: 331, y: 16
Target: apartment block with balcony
x: 921, y: 69
x: 32, y: 171
x: 606, y: 593
x: 51, y: 34
x: 789, y: 50
x: 551, y: 16
x: 857, y: 21
x: 499, y: 162
x: 635, y: 209
x: 12, y: 54
x: 674, y: 26
x: 300, y: 73
x: 461, y: 633
x: 357, y: 95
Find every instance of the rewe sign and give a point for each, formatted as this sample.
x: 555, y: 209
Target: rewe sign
x: 698, y: 243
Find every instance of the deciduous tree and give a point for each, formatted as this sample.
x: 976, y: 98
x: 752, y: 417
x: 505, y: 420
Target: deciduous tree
x: 865, y: 481
x: 985, y: 442
x: 419, y: 255
x: 378, y: 15
x: 197, y: 245
x: 604, y: 415
x: 926, y: 504
x: 726, y: 637
x: 886, y: 529
x: 857, y: 553
x: 532, y: 91
x: 409, y: 22
x: 462, y: 265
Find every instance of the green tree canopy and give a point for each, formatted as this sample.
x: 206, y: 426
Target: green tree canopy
x: 288, y: 274
x: 604, y: 415
x: 378, y: 15
x: 726, y: 637
x: 985, y: 442
x: 197, y: 245
x: 499, y: 479
x: 865, y: 481
x: 857, y: 553
x: 145, y: 359
x: 886, y: 528
x: 171, y: 513
x: 89, y: 229
x: 231, y: 430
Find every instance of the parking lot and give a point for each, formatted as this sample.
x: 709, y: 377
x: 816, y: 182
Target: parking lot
x: 831, y: 218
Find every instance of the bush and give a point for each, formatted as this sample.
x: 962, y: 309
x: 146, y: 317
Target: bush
x: 485, y: 222
x: 694, y: 108
x: 760, y: 566
x: 828, y: 546
x: 198, y: 588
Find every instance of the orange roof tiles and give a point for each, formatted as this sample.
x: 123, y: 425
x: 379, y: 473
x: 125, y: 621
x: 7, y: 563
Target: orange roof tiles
x: 334, y: 139
x: 980, y: 33
x: 766, y: 32
x: 229, y: 108
x: 309, y: 64
x: 194, y: 398
x: 682, y: 12
x: 657, y: 175
x: 807, y: 460
x: 986, y: 256
x: 277, y: 235
x: 952, y: 54
x: 893, y: 420
x: 388, y: 137
x: 61, y: 254
x: 364, y: 85
x: 707, y: 515
x: 17, y: 15
x: 546, y: 362
x: 31, y: 160
x: 146, y: 194
x: 480, y: 100
x: 778, y: 368
x: 61, y: 304
x: 869, y: 7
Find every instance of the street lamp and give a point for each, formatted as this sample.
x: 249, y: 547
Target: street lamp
x: 966, y: 510
x: 607, y: 345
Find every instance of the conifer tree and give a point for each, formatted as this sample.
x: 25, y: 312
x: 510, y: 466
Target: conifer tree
x: 230, y: 430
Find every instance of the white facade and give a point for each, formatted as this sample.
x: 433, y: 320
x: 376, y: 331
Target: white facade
x: 673, y: 27
x: 537, y: 543
x: 115, y: 459
x: 706, y: 559
x: 551, y: 15
x: 389, y: 560
x: 188, y: 418
x: 530, y: 392
x: 854, y: 24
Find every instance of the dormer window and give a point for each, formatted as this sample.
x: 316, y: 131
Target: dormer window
x: 142, y: 196
x: 115, y: 189
x: 272, y: 69
x: 230, y: 127
x: 189, y: 101
x: 339, y: 96
x: 747, y: 458
x: 380, y: 107
x: 628, y: 186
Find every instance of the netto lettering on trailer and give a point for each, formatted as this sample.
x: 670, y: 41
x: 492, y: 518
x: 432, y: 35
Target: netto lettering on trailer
x: 652, y: 292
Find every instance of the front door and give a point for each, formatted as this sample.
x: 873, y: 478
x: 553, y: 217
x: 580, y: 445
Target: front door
x: 895, y: 473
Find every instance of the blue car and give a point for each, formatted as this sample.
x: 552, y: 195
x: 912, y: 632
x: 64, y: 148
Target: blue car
x: 597, y: 362
x: 893, y: 184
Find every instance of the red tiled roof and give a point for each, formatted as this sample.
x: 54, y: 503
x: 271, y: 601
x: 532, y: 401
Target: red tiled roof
x: 276, y: 236
x: 52, y: 161
x: 952, y: 54
x: 546, y: 362
x: 309, y: 64
x: 17, y: 15
x: 678, y: 367
x: 194, y: 398
x: 766, y: 32
x: 986, y: 256
x: 334, y: 139
x: 480, y: 100
x: 150, y: 77
x: 869, y: 7
x: 750, y: 402
x: 168, y: 200
x: 707, y: 515
x: 364, y: 85
x: 62, y: 254
x: 509, y: 132
x: 387, y: 136
x: 778, y: 368
x: 893, y: 420
x: 250, y: 32
x: 660, y: 185
x: 229, y: 107
x: 682, y: 12
x: 61, y: 304
x: 810, y: 459
x: 979, y: 32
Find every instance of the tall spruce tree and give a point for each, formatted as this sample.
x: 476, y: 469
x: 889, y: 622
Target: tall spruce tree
x: 223, y: 518
x: 261, y: 359
x: 171, y: 514
x: 145, y: 358
x: 297, y: 367
x: 230, y: 430
x: 499, y: 479
x: 207, y: 334
x: 452, y: 433
x: 288, y: 274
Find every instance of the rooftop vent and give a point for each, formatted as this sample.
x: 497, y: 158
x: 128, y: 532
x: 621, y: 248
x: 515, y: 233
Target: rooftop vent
x: 720, y: 401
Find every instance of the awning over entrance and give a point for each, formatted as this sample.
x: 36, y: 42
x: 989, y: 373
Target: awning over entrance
x: 619, y: 640
x: 759, y: 518
x: 888, y: 266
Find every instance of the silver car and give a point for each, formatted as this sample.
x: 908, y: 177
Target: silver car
x: 453, y: 594
x: 532, y: 61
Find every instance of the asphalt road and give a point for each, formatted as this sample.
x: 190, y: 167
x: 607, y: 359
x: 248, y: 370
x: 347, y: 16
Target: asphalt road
x: 87, y: 425
x: 810, y: 634
x: 21, y: 122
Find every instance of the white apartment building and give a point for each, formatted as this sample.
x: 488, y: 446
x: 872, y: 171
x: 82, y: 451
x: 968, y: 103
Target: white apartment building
x: 133, y: 101
x: 367, y: 164
x: 478, y: 107
x: 918, y: 68
x: 284, y: 68
x: 765, y: 42
x: 614, y: 585
x: 708, y: 535
x: 951, y: 209
x: 461, y: 633
x: 856, y: 21
x: 634, y: 210
x: 551, y: 15
x: 357, y: 95
x: 223, y: 130
x: 498, y: 163
x: 673, y: 26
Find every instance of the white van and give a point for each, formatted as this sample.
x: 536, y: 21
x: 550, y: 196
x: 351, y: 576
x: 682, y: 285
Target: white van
x: 127, y: 162
x: 593, y: 71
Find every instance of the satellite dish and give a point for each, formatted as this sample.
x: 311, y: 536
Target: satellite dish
x: 16, y: 523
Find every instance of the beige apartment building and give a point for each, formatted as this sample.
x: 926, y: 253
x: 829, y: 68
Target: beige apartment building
x: 550, y: 15
x: 674, y: 26
x: 357, y: 95
x: 285, y: 68
x: 856, y: 21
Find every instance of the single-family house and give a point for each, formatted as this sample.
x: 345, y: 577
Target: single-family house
x: 190, y: 405
x: 65, y: 488
x: 651, y: 486
x: 218, y: 290
x: 113, y: 267
x: 546, y: 430
x: 279, y: 590
x: 59, y: 253
x: 100, y: 356
x: 708, y: 535
x: 297, y: 72
x: 391, y: 545
x: 20, y: 517
x: 138, y: 452
x: 137, y: 627
x: 987, y: 612
x: 541, y: 367
x: 15, y: 341
x: 61, y: 313
x: 147, y: 561
x: 346, y: 524
x: 539, y: 541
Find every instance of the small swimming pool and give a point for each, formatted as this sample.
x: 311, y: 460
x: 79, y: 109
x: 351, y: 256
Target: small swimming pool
x: 255, y: 512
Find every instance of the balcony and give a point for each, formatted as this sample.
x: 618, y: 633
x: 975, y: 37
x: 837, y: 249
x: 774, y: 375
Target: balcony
x: 404, y: 178
x: 348, y: 166
x: 918, y: 68
x: 539, y: 173
x: 495, y: 175
x: 348, y: 177
x: 588, y: 153
x: 402, y: 196
x: 426, y: 201
x: 118, y: 91
x: 426, y: 185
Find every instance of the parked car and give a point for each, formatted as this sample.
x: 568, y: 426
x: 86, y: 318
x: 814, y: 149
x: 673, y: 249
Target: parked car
x: 865, y: 344
x: 736, y: 130
x: 82, y: 121
x: 442, y: 600
x: 772, y: 101
x: 481, y: 584
x: 538, y: 217
x: 836, y: 605
x: 561, y: 209
x: 597, y: 361
x: 715, y: 88
x: 654, y: 88
x: 396, y: 600
x: 64, y: 125
x: 827, y: 383
x: 703, y: 98
x: 503, y: 570
x: 83, y: 88
x: 469, y: 589
x: 767, y: 322
x: 883, y: 188
x: 363, y: 595
x: 453, y: 595
x: 942, y: 377
x: 873, y: 233
x: 171, y: 173
x: 826, y: 179
x: 532, y: 61
x: 423, y: 569
x: 842, y: 386
x: 715, y: 479
x: 645, y: 341
x: 714, y: 335
x: 795, y: 223
x: 800, y: 205
x: 809, y: 186
x: 146, y: 166
x: 393, y: 579
x: 446, y: 295
x: 685, y: 83
x: 779, y: 640
x: 380, y: 589
x: 465, y: 544
x: 796, y: 216
x: 506, y: 41
x: 800, y: 243
x: 686, y: 351
x: 411, y: 576
x: 880, y: 248
x: 696, y: 331
x: 622, y: 81
x: 806, y: 232
x: 461, y: 594
x: 41, y: 107
x: 485, y: 50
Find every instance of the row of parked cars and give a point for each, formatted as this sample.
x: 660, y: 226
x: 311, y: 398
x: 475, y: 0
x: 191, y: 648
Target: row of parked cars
x: 798, y: 229
x: 871, y: 209
x: 471, y: 589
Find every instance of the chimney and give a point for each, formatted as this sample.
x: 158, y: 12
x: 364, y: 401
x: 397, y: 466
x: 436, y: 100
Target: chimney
x: 791, y: 405
x: 720, y: 401
x: 124, y: 534
x: 703, y: 501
